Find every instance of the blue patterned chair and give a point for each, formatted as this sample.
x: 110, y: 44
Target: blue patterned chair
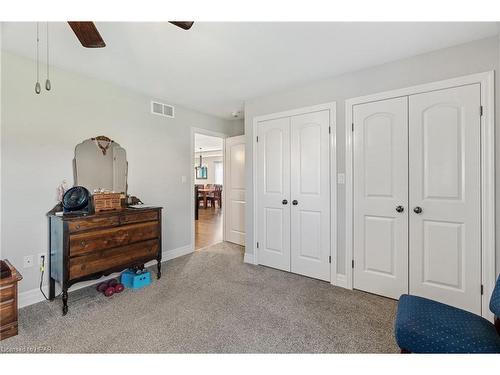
x: 426, y: 326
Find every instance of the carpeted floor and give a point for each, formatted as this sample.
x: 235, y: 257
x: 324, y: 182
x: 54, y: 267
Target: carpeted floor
x: 210, y: 301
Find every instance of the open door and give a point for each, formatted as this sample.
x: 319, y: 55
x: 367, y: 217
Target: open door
x: 235, y: 190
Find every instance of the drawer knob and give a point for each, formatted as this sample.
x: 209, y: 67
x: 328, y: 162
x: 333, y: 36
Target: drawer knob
x: 83, y: 243
x: 77, y: 226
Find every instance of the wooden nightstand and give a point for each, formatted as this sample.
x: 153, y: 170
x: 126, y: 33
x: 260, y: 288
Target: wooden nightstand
x: 8, y: 303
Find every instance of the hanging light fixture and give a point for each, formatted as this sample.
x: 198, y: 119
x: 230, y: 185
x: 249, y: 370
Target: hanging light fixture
x: 48, y: 85
x: 38, y: 88
x: 201, y: 159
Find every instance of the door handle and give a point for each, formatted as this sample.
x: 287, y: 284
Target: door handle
x: 284, y: 201
x: 418, y: 210
x: 400, y: 209
x: 295, y: 202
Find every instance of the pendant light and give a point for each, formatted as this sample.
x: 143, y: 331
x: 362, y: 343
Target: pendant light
x: 48, y: 85
x: 38, y: 88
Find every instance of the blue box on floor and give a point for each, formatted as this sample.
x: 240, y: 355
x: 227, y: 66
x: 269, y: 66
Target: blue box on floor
x: 133, y: 280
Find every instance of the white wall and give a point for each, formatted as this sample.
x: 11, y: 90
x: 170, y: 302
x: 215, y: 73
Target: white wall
x: 38, y: 136
x: 479, y: 56
x: 209, y: 163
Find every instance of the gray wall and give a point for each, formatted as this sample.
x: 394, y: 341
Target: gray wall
x: 38, y: 136
x: 456, y: 61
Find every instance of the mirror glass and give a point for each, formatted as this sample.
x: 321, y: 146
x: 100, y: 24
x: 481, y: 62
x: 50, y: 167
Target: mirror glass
x: 101, y: 164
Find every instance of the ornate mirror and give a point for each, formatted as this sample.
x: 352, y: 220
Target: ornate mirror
x: 101, y: 164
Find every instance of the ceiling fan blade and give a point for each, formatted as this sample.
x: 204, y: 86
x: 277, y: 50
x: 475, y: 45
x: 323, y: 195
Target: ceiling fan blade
x: 87, y: 34
x: 185, y: 25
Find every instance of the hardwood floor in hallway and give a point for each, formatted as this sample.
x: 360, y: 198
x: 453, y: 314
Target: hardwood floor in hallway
x: 208, y: 227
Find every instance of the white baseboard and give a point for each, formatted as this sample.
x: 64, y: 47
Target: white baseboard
x: 248, y: 258
x: 342, y: 281
x: 175, y: 253
x: 33, y: 296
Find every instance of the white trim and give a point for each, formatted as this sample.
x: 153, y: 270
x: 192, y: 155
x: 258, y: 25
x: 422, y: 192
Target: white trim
x: 174, y: 253
x: 333, y: 192
x: 33, y: 296
x: 332, y: 107
x: 341, y: 281
x: 486, y: 80
x: 488, y: 273
x: 248, y: 258
x: 194, y: 131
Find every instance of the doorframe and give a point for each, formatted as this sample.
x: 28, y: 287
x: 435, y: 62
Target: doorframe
x: 486, y: 81
x: 195, y: 130
x: 332, y: 107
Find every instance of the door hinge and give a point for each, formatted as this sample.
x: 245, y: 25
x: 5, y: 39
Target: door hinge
x: 257, y: 245
x: 352, y: 127
x: 329, y: 130
x: 330, y: 259
x: 480, y: 110
x: 353, y: 263
x: 257, y: 138
x: 482, y: 289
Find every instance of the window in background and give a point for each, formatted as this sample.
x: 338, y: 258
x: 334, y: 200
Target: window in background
x: 219, y: 174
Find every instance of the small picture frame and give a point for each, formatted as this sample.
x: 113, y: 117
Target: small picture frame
x: 201, y: 173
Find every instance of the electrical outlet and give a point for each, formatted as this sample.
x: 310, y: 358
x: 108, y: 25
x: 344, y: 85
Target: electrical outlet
x: 28, y: 261
x: 40, y: 257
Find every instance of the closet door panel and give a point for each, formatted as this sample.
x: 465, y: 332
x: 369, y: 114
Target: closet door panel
x: 380, y: 191
x: 310, y: 194
x: 235, y: 196
x: 445, y: 242
x: 273, y: 189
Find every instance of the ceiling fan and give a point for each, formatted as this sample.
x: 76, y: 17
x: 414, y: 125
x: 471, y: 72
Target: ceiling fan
x: 89, y: 36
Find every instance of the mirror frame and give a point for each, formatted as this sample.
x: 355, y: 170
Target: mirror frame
x: 104, y: 150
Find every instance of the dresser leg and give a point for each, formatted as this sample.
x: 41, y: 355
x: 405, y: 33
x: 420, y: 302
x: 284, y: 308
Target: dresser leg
x: 65, y: 301
x: 52, y: 289
x: 158, y: 274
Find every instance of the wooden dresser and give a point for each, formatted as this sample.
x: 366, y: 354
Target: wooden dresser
x: 8, y: 303
x: 95, y: 245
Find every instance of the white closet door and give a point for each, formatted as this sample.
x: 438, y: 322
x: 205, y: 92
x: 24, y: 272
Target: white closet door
x: 380, y: 197
x: 445, y: 242
x: 273, y: 185
x: 310, y: 194
x: 234, y: 188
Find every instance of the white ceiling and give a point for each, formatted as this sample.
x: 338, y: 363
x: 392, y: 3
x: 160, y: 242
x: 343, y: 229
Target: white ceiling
x: 216, y: 66
x: 207, y: 143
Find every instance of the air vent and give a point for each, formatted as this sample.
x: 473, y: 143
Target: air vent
x: 161, y: 109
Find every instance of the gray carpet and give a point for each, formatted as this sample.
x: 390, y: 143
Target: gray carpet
x: 211, y: 302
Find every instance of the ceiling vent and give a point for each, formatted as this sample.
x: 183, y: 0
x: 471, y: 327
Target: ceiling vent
x: 161, y: 109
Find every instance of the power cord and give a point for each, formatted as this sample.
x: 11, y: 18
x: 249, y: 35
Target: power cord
x: 42, y: 269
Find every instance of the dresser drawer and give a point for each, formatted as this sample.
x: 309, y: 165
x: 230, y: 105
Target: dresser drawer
x: 88, y: 242
x: 8, y: 311
x: 137, y: 217
x: 124, y: 256
x: 8, y: 330
x: 93, y: 223
x: 7, y: 292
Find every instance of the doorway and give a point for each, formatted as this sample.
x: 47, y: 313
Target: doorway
x: 208, y: 177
